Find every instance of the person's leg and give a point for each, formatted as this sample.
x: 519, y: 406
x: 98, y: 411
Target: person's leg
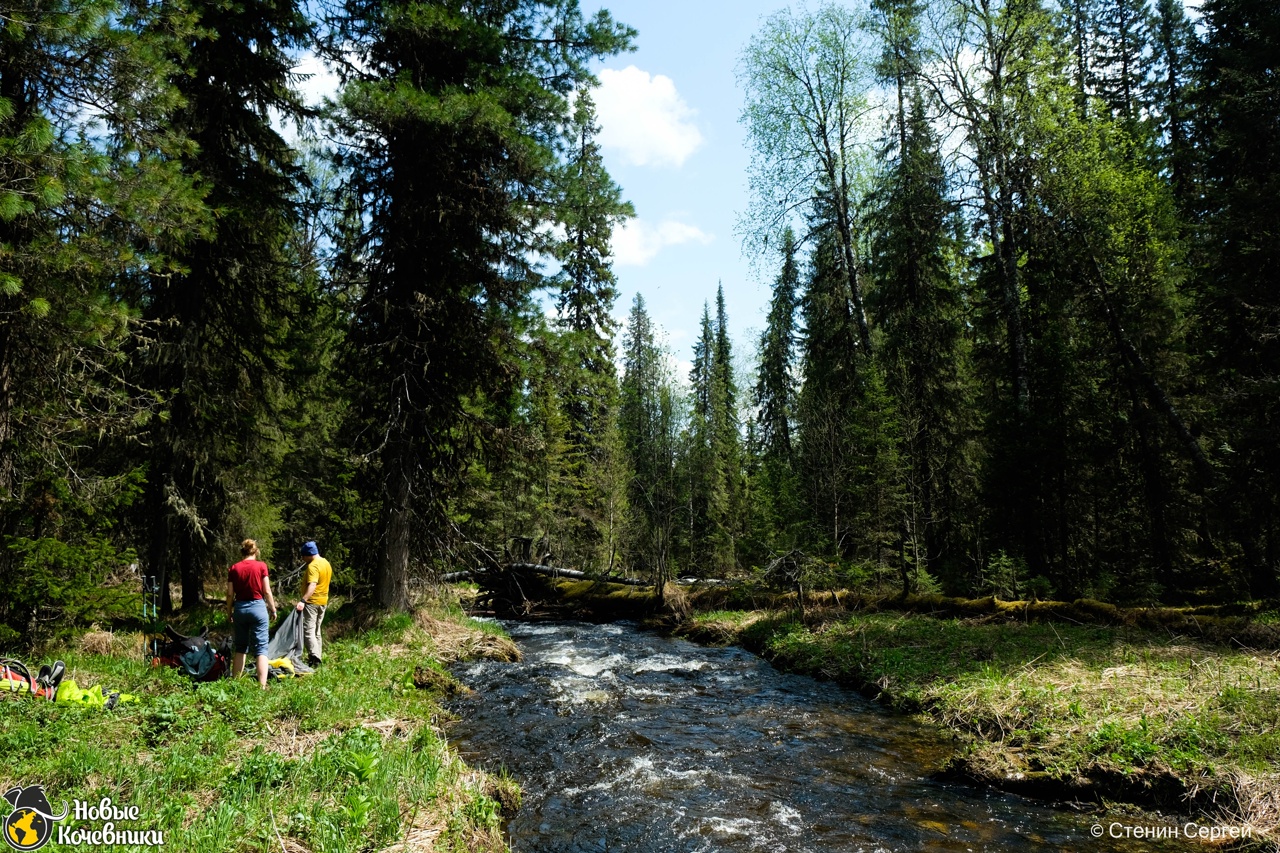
x: 241, y: 636
x: 261, y: 634
x: 312, y: 619
x: 310, y: 630
x: 320, y: 633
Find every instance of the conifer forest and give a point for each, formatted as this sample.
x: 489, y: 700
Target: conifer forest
x: 1023, y: 340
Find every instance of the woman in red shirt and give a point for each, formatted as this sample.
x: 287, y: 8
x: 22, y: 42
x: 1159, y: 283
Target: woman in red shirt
x: 247, y: 586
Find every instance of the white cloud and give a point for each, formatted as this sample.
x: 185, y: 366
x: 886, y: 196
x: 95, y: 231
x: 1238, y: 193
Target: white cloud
x: 644, y: 118
x: 320, y: 82
x: 636, y: 242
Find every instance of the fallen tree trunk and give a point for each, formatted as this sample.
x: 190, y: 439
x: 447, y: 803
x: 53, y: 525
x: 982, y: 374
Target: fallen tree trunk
x: 549, y: 571
x: 574, y: 574
x: 526, y: 589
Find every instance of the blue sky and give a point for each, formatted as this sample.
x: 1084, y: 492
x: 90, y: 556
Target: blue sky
x: 672, y: 141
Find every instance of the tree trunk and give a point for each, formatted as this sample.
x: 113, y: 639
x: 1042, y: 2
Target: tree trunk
x: 191, y: 571
x: 391, y: 586
x: 158, y: 544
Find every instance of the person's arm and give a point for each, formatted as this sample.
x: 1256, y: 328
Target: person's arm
x: 231, y: 598
x: 271, y: 599
x: 311, y: 587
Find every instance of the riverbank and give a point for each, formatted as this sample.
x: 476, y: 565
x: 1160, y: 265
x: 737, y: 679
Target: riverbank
x: 1054, y: 709
x: 347, y: 759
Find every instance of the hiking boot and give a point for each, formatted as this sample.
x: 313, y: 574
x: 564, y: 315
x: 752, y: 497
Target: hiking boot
x: 313, y: 661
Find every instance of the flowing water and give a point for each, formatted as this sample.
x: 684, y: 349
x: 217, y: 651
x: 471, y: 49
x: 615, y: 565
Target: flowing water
x: 628, y: 742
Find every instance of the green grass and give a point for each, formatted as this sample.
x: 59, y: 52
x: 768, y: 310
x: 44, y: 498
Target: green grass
x: 1058, y: 700
x: 344, y: 760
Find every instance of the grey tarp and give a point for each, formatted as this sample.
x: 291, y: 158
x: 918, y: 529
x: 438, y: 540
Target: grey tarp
x: 287, y: 643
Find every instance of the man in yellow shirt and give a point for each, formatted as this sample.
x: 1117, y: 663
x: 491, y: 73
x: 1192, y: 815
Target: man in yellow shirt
x: 315, y: 597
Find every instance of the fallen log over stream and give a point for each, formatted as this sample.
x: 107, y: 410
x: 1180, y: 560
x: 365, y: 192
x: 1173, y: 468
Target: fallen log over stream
x: 525, y: 590
x: 479, y: 576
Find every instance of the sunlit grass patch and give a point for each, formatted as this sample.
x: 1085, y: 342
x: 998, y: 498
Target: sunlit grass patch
x: 1059, y: 701
x: 348, y: 759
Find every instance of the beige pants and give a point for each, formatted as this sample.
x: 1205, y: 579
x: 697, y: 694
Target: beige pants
x: 312, y: 619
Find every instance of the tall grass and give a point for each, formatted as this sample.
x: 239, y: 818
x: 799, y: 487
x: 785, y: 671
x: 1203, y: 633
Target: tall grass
x: 346, y: 760
x: 1056, y: 701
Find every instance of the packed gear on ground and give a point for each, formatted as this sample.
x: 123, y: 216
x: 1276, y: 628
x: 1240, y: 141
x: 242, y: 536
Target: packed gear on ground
x: 194, y: 655
x: 202, y: 661
x: 16, y: 678
x: 49, y: 684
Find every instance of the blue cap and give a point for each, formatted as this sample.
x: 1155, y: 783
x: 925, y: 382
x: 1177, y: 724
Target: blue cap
x: 310, y: 549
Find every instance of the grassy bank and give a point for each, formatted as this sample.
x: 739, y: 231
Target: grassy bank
x: 1057, y: 709
x: 348, y: 759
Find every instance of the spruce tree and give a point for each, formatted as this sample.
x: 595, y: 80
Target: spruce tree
x: 700, y: 463
x: 917, y: 304
x: 1237, y: 124
x: 649, y: 419
x: 774, y: 398
x: 589, y: 207
x: 730, y: 512
x: 222, y: 324
x: 448, y: 115
x: 1123, y: 58
x: 1170, y: 93
x: 827, y: 400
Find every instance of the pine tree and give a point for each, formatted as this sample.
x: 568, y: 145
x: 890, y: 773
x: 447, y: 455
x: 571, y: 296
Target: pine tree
x: 436, y: 335
x: 87, y: 182
x: 223, y: 322
x: 1236, y: 116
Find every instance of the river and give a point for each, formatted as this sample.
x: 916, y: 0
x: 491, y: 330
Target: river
x: 625, y: 741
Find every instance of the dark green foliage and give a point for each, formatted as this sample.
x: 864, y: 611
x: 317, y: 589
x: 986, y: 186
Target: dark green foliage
x: 1033, y: 350
x: 775, y: 491
x: 649, y: 420
x: 220, y: 353
x: 918, y: 303
x: 447, y: 279
x: 1238, y: 303
x: 1122, y: 57
x: 591, y: 505
x: 848, y: 438
x: 713, y: 461
x: 86, y: 178
x: 1170, y: 93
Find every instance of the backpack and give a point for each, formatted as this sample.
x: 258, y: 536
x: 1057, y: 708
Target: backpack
x: 195, y: 655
